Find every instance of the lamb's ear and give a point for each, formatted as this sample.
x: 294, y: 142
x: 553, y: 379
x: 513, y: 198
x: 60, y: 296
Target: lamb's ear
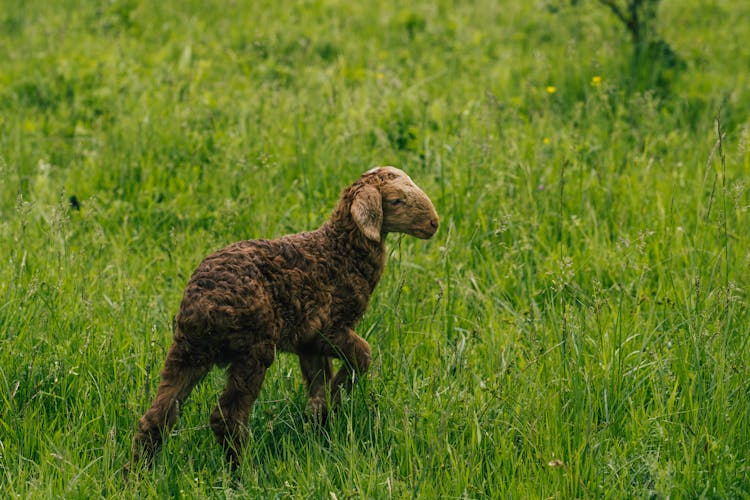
x: 367, y: 212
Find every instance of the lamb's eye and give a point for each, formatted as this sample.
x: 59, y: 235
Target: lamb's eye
x: 396, y: 201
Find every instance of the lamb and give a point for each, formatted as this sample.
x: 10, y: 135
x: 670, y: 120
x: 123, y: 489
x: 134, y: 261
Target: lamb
x: 302, y: 293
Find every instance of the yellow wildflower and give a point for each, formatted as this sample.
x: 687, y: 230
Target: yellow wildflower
x: 551, y: 89
x: 596, y: 81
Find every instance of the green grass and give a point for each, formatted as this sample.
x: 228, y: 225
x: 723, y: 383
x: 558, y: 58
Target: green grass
x: 577, y: 328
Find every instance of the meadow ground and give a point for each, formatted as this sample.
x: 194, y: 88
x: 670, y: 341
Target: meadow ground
x: 577, y: 328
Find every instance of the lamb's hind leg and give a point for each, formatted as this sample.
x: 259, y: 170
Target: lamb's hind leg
x: 178, y: 378
x: 229, y: 418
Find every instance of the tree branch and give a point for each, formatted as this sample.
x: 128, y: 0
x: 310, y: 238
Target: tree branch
x: 631, y: 23
x: 616, y: 9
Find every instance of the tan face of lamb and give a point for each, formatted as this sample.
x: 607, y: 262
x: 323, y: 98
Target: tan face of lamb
x: 393, y: 204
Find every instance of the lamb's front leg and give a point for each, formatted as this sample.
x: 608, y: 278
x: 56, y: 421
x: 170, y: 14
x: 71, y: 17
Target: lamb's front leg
x: 354, y: 352
x: 317, y: 372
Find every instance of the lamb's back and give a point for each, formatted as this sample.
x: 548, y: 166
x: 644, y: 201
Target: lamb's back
x: 290, y: 290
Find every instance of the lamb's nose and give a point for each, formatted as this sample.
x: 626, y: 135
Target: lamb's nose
x: 434, y: 224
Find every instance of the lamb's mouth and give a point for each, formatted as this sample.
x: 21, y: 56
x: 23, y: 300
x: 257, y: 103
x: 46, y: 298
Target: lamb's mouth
x: 424, y: 234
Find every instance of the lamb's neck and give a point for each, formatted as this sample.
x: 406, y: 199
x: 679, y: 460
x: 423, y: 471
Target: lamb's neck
x: 366, y: 257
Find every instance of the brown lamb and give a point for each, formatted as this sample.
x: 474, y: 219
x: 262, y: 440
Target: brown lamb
x: 302, y: 293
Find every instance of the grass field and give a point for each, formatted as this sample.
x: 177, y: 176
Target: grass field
x: 577, y: 328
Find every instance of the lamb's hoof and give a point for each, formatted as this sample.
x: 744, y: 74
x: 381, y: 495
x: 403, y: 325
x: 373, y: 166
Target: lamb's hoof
x: 317, y: 411
x: 140, y: 462
x: 233, y: 460
x: 130, y: 471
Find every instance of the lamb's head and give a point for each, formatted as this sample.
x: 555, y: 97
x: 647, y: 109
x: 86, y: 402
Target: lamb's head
x: 388, y: 201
